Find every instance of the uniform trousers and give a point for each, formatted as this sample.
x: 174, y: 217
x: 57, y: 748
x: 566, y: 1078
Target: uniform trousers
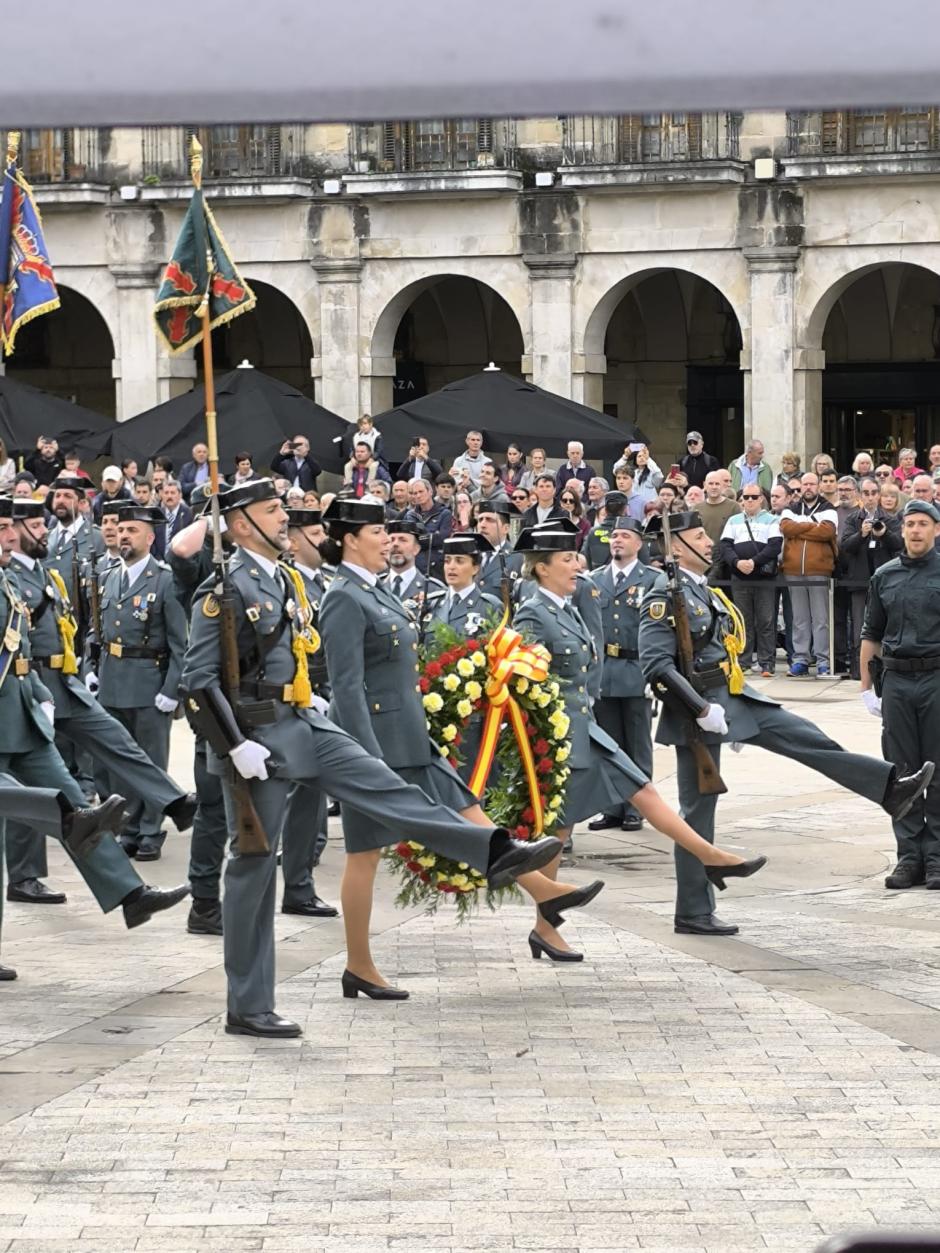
x: 779, y: 732
x: 41, y: 807
x: 628, y: 720
x: 342, y: 768
x: 910, y: 709
x: 150, y: 729
x: 210, y: 829
x: 108, y: 873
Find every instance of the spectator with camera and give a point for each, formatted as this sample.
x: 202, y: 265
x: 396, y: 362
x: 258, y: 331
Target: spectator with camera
x: 868, y: 538
x: 420, y: 463
x: 294, y: 463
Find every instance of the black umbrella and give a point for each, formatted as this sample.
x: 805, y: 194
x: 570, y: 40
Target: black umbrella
x: 256, y: 414
x: 27, y: 412
x: 505, y: 410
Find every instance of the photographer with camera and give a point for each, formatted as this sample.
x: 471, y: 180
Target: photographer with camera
x: 295, y: 464
x: 868, y: 538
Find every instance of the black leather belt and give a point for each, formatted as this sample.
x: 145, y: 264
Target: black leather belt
x: 258, y: 690
x: 713, y: 676
x: 136, y: 652
x: 55, y: 662
x: 617, y: 650
x: 912, y: 664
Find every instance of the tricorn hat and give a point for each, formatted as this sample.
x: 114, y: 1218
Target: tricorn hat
x: 626, y: 523
x: 130, y: 511
x: 253, y: 492
x: 542, y: 540
x: 349, y: 512
x: 297, y: 518
x: 23, y: 509
x: 689, y: 520
x: 467, y: 545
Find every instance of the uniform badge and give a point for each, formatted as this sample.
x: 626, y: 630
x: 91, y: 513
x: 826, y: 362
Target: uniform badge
x: 658, y: 610
x: 253, y: 613
x: 631, y: 590
x: 594, y: 593
x: 137, y: 600
x: 210, y: 606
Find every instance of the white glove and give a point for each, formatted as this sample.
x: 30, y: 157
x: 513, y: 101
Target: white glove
x: 165, y: 704
x: 48, y: 709
x: 248, y: 759
x: 91, y: 682
x: 872, y: 702
x: 318, y: 704
x: 713, y: 719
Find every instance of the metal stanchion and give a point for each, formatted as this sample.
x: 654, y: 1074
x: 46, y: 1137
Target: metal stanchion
x: 831, y: 609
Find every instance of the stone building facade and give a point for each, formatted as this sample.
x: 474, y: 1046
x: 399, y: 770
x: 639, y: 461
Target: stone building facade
x: 775, y: 274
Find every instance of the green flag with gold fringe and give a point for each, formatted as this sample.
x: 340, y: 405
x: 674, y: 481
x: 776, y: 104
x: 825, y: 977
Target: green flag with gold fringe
x: 200, y: 269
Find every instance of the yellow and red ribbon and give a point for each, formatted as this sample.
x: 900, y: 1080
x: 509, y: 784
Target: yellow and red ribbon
x: 508, y: 658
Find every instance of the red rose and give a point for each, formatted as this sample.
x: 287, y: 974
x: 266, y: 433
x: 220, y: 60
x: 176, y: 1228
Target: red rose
x: 433, y: 670
x: 425, y: 685
x: 541, y: 747
x: 403, y: 850
x: 522, y: 832
x: 544, y: 766
x: 424, y: 877
x: 413, y: 866
x: 528, y: 814
x: 457, y: 740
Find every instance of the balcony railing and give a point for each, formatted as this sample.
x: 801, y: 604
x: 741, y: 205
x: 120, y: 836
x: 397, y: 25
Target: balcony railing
x: 650, y: 138
x: 229, y: 152
x: 72, y: 155
x: 436, y: 144
x: 864, y: 132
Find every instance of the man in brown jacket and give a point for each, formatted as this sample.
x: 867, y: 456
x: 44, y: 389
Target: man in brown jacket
x: 809, y: 527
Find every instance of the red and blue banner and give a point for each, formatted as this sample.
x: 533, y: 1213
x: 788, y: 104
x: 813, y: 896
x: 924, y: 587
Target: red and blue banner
x: 27, y: 283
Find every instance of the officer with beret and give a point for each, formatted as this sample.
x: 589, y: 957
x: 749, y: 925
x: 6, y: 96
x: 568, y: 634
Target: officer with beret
x: 143, y: 640
x: 28, y: 753
x: 623, y: 709
x: 80, y: 721
x: 900, y: 671
x: 273, y: 738
x: 726, y: 709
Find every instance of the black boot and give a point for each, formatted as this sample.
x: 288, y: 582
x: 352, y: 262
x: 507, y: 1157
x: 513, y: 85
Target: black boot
x: 205, y: 917
x: 82, y: 829
x: 511, y: 858
x: 906, y: 874
x: 903, y: 792
x: 140, y: 906
x: 182, y: 811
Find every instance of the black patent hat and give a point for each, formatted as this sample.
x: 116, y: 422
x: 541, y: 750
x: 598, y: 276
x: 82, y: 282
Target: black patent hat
x: 349, y: 512
x: 542, y: 540
x: 129, y: 511
x: 297, y: 518
x: 23, y: 509
x: 468, y: 545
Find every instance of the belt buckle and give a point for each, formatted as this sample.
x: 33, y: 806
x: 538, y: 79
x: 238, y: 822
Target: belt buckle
x: 612, y: 650
x: 116, y: 650
x: 287, y: 695
x: 21, y: 666
x: 57, y: 661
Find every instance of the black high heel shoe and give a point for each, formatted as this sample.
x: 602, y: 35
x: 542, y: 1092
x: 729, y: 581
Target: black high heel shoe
x: 551, y: 910
x: 538, y: 946
x: 353, y: 985
x: 743, y: 870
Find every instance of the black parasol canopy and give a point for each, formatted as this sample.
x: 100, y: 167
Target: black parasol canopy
x: 28, y: 412
x: 255, y: 412
x: 506, y: 410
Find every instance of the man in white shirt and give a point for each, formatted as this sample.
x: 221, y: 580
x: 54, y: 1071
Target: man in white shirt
x: 472, y: 460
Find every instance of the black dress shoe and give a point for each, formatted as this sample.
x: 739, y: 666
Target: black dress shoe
x: 128, y: 847
x: 84, y: 829
x: 34, y: 892
x: 905, y: 875
x: 633, y: 823
x: 511, y: 858
x: 552, y: 910
x: 205, y: 918
x: 182, y: 811
x: 743, y: 870
x: 606, y: 822
x: 353, y: 985
x: 148, y: 852
x: 902, y: 793
x: 932, y: 882
x: 270, y: 1026
x: 332, y: 809
x: 314, y: 908
x: 143, y: 903
x: 704, y: 924
x: 7, y: 974
x: 538, y: 946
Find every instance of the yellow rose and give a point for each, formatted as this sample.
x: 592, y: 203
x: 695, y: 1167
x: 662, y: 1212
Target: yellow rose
x: 462, y: 866
x: 441, y: 877
x: 427, y: 861
x: 414, y: 844
x: 443, y: 750
x: 555, y: 802
x: 465, y: 667
x: 464, y: 708
x: 451, y: 683
x: 433, y: 702
x: 459, y: 880
x: 536, y: 691
x: 449, y: 733
x: 522, y: 685
x: 554, y: 688
x: 543, y: 700
x: 561, y: 728
x: 563, y: 753
x: 478, y: 659
x: 473, y: 689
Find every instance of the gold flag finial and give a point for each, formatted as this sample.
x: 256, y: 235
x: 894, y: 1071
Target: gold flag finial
x: 195, y: 162
x: 13, y: 145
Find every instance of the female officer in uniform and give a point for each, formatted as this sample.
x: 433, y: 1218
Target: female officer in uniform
x: 602, y: 775
x: 371, y: 641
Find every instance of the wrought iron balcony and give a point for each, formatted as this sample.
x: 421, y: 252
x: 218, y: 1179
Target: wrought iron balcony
x: 72, y: 155
x: 864, y: 132
x: 230, y: 153
x: 650, y: 138
x: 431, y: 146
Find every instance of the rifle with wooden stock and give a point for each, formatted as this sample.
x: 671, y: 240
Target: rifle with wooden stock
x: 710, y: 782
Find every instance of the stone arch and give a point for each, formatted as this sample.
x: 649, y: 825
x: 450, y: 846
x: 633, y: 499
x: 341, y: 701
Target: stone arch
x: 814, y: 325
x: 69, y: 352
x: 275, y: 337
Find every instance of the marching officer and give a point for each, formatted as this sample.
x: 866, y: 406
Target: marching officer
x: 304, y: 835
x: 273, y: 739
x: 725, y: 708
x: 622, y: 709
x: 143, y: 640
x: 80, y: 721
x: 28, y: 753
x: 900, y: 670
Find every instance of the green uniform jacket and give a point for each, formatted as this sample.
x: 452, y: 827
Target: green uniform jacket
x: 23, y: 725
x: 620, y: 615
x: 149, y: 616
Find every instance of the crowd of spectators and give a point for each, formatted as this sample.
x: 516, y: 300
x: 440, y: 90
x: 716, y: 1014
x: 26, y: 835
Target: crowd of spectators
x: 795, y: 548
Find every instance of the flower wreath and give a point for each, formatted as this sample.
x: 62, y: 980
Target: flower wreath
x: 520, y: 764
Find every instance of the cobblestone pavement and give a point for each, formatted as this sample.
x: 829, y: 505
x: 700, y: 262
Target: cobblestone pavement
x: 671, y: 1092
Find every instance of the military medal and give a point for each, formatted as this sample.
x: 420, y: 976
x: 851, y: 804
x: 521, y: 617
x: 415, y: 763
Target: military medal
x: 11, y: 639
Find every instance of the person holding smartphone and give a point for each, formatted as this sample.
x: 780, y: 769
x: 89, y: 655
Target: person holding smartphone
x: 294, y: 463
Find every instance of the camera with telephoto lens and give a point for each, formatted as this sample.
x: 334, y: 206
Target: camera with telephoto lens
x: 878, y: 528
